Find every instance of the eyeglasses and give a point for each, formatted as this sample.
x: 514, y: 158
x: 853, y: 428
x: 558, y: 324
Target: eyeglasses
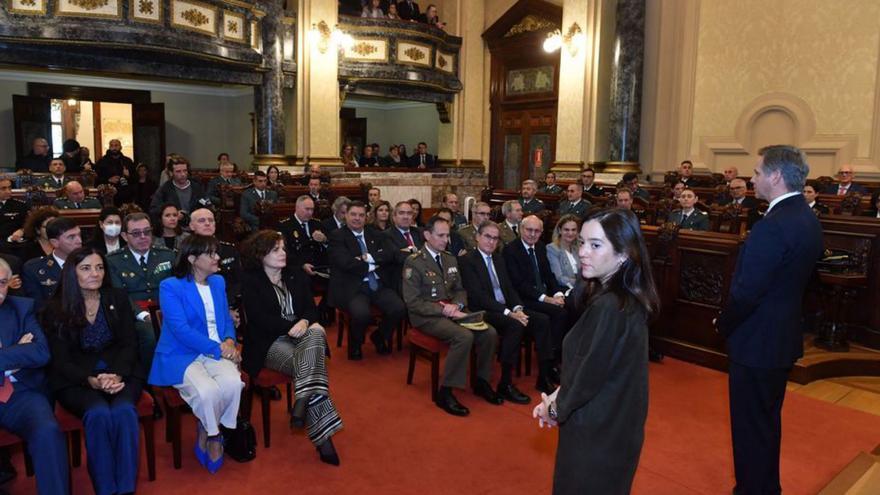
x: 842, y: 172
x: 141, y: 233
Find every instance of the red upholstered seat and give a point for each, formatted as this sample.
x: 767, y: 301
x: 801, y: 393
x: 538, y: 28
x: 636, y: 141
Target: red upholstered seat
x: 430, y: 348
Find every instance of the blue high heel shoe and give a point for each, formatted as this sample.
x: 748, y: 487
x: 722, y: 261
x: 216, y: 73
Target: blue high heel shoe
x: 214, y: 466
x: 201, y: 454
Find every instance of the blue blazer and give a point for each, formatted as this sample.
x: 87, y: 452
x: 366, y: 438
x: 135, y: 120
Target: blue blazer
x: 762, y: 317
x: 561, y: 268
x: 16, y: 319
x: 185, y: 327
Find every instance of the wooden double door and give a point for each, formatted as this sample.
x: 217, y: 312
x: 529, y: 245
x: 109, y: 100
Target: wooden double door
x: 523, y: 145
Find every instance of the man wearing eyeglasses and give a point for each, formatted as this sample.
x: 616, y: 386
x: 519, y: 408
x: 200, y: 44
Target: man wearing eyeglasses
x: 845, y: 184
x: 479, y: 214
x: 139, y: 269
x: 738, y: 195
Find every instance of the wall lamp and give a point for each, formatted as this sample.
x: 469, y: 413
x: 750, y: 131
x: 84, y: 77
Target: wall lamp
x: 322, y: 36
x: 573, y: 40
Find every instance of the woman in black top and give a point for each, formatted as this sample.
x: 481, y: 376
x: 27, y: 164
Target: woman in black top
x: 602, y: 403
x: 283, y: 334
x: 144, y: 187
x: 95, y: 372
x: 167, y: 231
x: 106, y: 237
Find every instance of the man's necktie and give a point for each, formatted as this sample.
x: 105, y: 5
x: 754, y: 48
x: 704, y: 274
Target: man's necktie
x: 496, y: 285
x: 684, y: 218
x: 371, y: 276
x: 841, y: 190
x: 408, y: 239
x: 6, y: 388
x: 143, y: 263
x: 513, y: 228
x: 423, y: 160
x: 437, y: 259
x: 306, y: 228
x: 540, y: 283
x: 76, y: 206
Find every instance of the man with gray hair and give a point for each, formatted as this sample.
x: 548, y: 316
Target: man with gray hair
x: 479, y: 214
x: 513, y: 214
x: 762, y: 317
x: 38, y: 159
x: 337, y: 219
x: 530, y: 204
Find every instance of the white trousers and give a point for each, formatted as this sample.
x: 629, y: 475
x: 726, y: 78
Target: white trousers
x: 212, y: 388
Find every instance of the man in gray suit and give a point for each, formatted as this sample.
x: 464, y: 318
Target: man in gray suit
x: 689, y: 217
x: 575, y: 204
x: 251, y: 197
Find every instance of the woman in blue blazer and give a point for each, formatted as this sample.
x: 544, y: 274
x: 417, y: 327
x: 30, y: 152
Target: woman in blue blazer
x: 196, y: 350
x: 563, y: 251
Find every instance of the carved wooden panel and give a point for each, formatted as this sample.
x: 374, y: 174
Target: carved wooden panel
x: 445, y: 62
x: 701, y: 276
x: 234, y: 27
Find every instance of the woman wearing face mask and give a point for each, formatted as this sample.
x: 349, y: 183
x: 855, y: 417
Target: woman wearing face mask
x: 167, y: 227
x: 106, y: 238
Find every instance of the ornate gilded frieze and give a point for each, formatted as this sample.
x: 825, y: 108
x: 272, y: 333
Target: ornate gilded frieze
x: 111, y: 9
x: 368, y: 50
x: 445, y: 62
x: 413, y: 53
x: 31, y: 7
x: 196, y: 16
x: 531, y: 23
x: 234, y: 27
x: 146, y: 10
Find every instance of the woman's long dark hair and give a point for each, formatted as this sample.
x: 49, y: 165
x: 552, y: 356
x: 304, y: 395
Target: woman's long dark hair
x: 65, y: 312
x: 634, y: 279
x: 193, y: 245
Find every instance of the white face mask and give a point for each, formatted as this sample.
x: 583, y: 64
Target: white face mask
x: 112, y: 229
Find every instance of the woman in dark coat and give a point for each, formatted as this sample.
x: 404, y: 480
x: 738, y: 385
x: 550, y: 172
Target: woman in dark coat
x: 602, y: 403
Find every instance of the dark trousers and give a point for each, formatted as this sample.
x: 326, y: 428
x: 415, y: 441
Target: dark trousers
x: 111, y: 431
x: 146, y: 343
x: 392, y: 307
x: 756, y: 396
x: 29, y: 415
x: 511, y: 333
x: 559, y: 324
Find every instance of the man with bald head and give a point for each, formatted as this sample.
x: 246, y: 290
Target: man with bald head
x: 38, y: 159
x: 116, y: 169
x: 730, y: 173
x: 738, y: 195
x: 529, y: 270
x: 845, y: 185
x: 76, y: 198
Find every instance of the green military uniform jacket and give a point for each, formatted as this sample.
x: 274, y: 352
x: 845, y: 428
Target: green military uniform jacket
x: 506, y: 233
x: 425, y: 285
x: 697, y: 220
x: 87, y: 203
x: 469, y: 235
x: 142, y: 284
x: 49, y: 182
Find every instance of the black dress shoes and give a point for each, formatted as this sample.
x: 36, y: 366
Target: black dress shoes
x: 355, y: 353
x: 379, y: 342
x: 508, y: 391
x: 654, y: 355
x: 484, y: 390
x: 298, y: 413
x: 328, y: 452
x: 448, y: 402
x: 545, y: 385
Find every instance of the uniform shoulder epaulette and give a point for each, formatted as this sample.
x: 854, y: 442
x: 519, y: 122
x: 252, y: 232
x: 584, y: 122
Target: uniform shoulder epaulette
x: 701, y: 212
x: 117, y: 253
x: 415, y: 255
x: 161, y: 249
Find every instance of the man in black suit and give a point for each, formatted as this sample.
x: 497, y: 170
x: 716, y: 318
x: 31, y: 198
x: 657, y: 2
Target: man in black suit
x: 337, y: 219
x: 38, y: 159
x: 421, y: 158
x: 530, y: 273
x: 845, y: 176
x: 738, y: 190
x: 402, y: 239
x: 12, y: 211
x: 357, y: 258
x: 408, y: 10
x: 493, y: 292
x: 762, y: 317
x: 588, y: 178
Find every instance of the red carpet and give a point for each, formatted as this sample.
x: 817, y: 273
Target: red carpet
x: 396, y: 441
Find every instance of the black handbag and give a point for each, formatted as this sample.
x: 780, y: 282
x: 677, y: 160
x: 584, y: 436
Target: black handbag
x: 241, y: 443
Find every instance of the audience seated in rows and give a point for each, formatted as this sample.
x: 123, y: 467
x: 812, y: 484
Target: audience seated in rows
x: 631, y: 181
x: 56, y: 178
x: 226, y: 178
x: 38, y: 159
x: 588, y: 178
x: 118, y: 170
x: 12, y: 211
x: 32, y: 241
x: 143, y: 188
x: 456, y: 244
x: 337, y: 219
x: 450, y: 200
x: 513, y: 215
x: 402, y: 239
x: 624, y: 198
x: 810, y: 195
x: 180, y: 191
x: 479, y: 214
x: 259, y: 193
x: 562, y: 252
x: 845, y: 185
x: 737, y: 195
x: 530, y: 204
x: 380, y: 216
x: 75, y: 198
x: 273, y: 177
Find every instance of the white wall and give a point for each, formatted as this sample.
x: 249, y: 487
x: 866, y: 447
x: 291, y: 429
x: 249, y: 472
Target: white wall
x: 201, y: 121
x: 398, y: 122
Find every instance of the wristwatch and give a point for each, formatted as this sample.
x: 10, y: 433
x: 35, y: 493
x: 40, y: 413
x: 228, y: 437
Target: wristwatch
x: 551, y: 411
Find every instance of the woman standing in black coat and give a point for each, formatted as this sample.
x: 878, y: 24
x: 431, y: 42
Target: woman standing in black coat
x: 284, y: 334
x: 602, y: 403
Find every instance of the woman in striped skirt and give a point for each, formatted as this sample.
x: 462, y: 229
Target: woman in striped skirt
x: 283, y: 334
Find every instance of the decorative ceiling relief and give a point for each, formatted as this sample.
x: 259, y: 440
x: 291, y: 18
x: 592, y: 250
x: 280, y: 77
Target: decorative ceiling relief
x: 90, y: 8
x: 233, y: 26
x: 531, y: 23
x: 194, y: 15
x: 145, y: 10
x: 414, y: 54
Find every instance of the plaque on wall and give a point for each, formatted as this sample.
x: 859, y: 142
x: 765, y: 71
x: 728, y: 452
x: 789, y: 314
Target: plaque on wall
x: 233, y: 26
x: 145, y: 10
x: 413, y: 54
x: 111, y: 9
x: 368, y: 50
x: 533, y: 80
x: 196, y: 16
x: 33, y: 7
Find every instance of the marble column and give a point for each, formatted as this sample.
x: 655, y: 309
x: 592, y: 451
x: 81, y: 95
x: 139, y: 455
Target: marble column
x: 626, y: 82
x: 269, y: 95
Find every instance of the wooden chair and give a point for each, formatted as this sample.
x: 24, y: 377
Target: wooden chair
x: 172, y: 402
x: 73, y: 426
x: 9, y: 439
x: 343, y: 321
x: 426, y: 346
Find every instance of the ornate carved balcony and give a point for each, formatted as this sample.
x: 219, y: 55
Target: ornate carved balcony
x: 211, y: 40
x: 399, y: 59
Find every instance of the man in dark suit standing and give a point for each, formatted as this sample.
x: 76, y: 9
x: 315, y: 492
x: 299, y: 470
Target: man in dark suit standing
x: 408, y: 10
x: 402, y: 239
x: 530, y: 273
x: 24, y: 408
x: 357, y: 258
x: 490, y: 290
x: 762, y: 317
x: 421, y: 158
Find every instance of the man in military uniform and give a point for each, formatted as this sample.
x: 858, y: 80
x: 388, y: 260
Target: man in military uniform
x: 588, y: 177
x: 550, y: 186
x: 76, y: 198
x: 250, y: 198
x: 509, y: 228
x: 139, y: 268
x: 574, y: 204
x: 434, y: 296
x: 226, y: 178
x: 450, y: 200
x: 402, y: 239
x: 530, y: 204
x: 689, y: 217
x: 40, y: 276
x: 202, y: 223
x: 12, y: 211
x: 479, y: 214
x: 305, y: 243
x: 56, y: 179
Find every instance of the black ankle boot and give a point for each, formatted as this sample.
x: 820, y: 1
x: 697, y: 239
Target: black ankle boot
x: 298, y: 413
x: 328, y: 452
